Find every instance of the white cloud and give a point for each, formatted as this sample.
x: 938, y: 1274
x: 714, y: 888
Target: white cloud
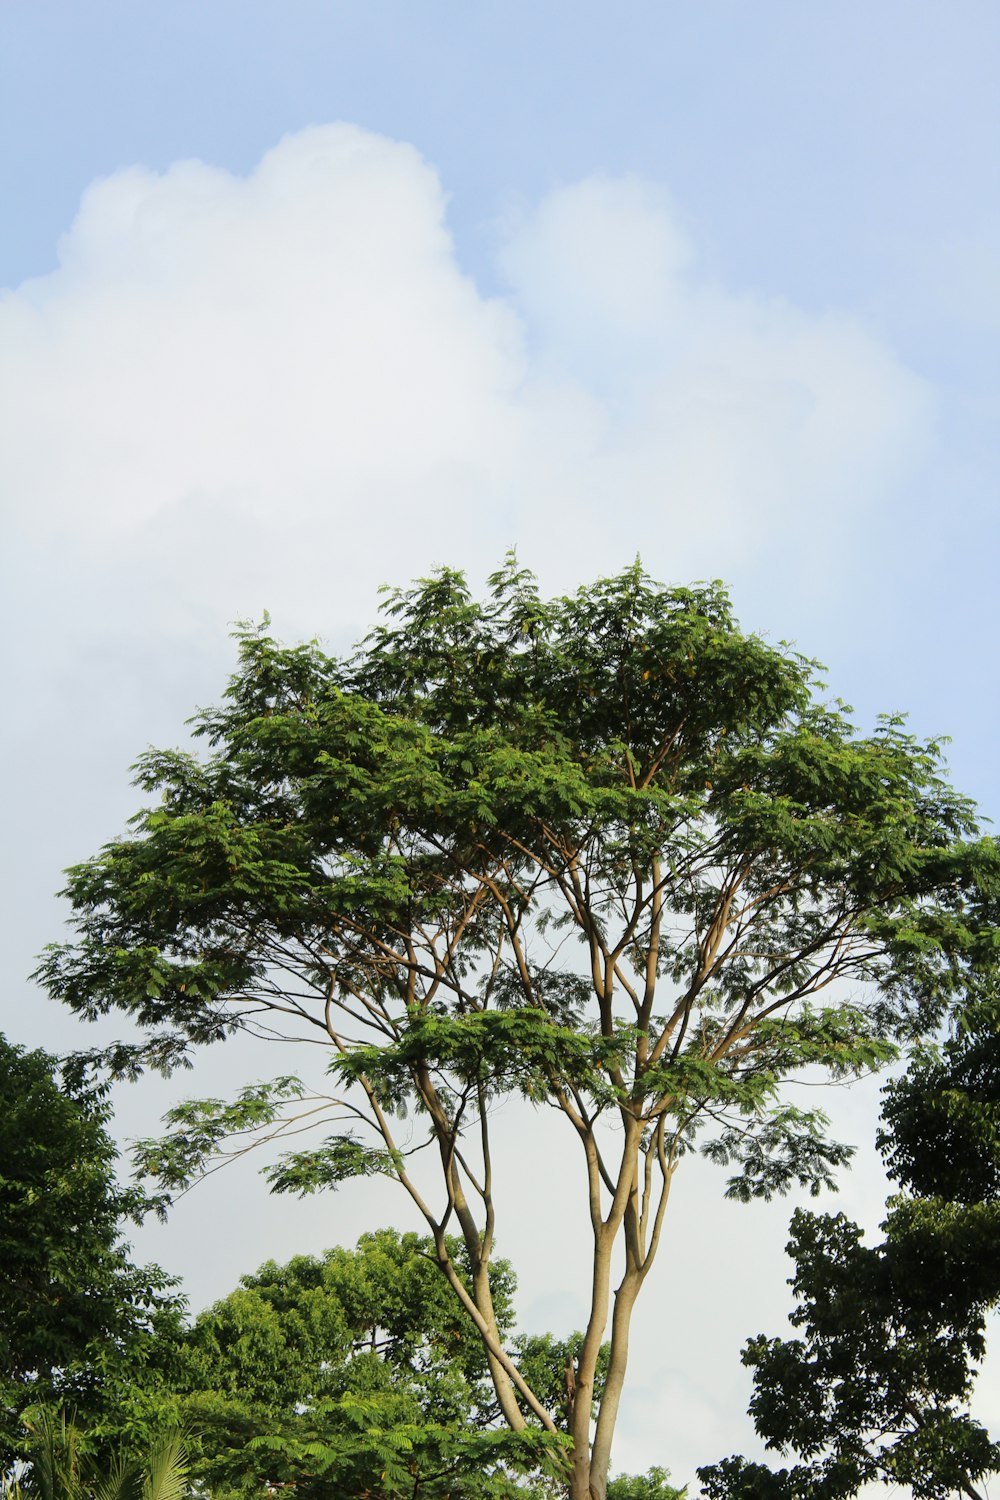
x: 601, y: 265
x: 724, y: 412
x: 282, y: 389
x: 290, y: 339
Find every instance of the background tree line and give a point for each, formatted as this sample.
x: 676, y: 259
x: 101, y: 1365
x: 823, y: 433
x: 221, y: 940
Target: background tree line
x: 355, y: 1373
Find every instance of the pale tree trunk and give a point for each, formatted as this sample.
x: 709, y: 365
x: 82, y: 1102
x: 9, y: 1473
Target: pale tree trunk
x: 600, y: 1457
x: 583, y: 1393
x: 590, y: 1465
x: 641, y: 1223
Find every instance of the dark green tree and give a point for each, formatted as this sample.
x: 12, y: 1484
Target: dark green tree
x: 76, y: 1316
x: 878, y: 1385
x: 607, y: 852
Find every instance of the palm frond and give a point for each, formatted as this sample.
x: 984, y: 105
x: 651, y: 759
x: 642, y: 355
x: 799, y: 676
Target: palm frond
x: 166, y: 1476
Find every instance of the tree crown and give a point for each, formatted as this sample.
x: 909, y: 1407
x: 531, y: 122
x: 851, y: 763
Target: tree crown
x: 606, y: 851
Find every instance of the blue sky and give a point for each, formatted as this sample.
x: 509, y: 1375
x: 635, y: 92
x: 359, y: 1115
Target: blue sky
x: 304, y: 297
x: 813, y: 146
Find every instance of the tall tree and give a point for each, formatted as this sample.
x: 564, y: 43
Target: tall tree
x: 75, y: 1313
x: 878, y: 1385
x: 605, y: 851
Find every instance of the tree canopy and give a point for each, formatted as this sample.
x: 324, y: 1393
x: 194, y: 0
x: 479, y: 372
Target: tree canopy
x: 878, y: 1385
x: 607, y: 852
x: 76, y: 1313
x: 356, y: 1373
x: 349, y: 1374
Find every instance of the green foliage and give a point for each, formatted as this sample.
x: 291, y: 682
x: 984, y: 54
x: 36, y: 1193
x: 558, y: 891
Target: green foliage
x: 654, y: 1485
x: 78, y: 1317
x: 603, y: 851
x: 943, y: 1116
x: 203, y: 1125
x: 549, y: 1364
x: 354, y: 1374
x: 788, y: 1148
x: 379, y: 1446
x: 877, y: 1386
x: 60, y: 1466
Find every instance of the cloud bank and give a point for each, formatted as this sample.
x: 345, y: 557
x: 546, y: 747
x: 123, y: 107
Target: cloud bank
x: 283, y: 390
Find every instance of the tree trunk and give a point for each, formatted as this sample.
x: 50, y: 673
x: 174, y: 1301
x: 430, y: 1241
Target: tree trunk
x: 583, y: 1396
x: 590, y: 1464
x: 600, y: 1458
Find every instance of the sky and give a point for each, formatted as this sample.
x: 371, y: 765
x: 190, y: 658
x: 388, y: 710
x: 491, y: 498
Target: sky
x: 303, y: 298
